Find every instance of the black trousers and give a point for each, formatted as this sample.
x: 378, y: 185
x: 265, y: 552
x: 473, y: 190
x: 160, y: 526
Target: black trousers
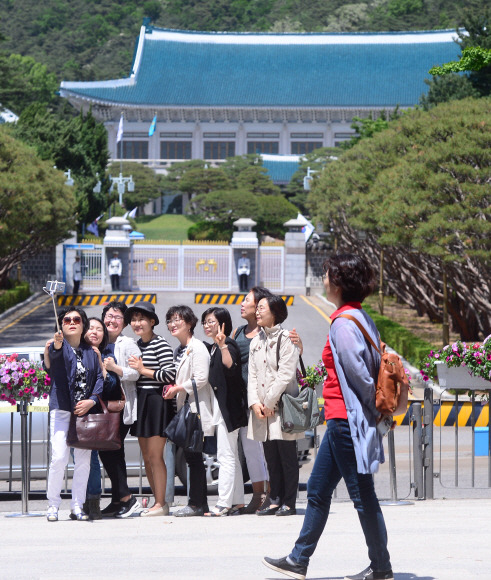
x: 281, y: 457
x: 243, y: 282
x: 76, y: 286
x: 197, y: 480
x: 114, y: 281
x: 114, y: 463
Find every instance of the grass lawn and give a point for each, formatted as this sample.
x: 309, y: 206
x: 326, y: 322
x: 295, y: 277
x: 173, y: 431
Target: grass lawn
x: 164, y: 227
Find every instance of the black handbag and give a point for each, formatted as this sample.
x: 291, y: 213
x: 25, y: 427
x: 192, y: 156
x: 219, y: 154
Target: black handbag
x: 99, y: 431
x: 185, y: 428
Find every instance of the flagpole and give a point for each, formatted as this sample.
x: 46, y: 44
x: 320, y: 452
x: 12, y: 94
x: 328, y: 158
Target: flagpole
x: 121, y: 152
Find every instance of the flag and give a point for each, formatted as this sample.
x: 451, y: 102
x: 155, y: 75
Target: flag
x: 120, y: 130
x: 126, y: 215
x: 132, y: 213
x: 308, y: 228
x: 93, y: 228
x: 151, y: 131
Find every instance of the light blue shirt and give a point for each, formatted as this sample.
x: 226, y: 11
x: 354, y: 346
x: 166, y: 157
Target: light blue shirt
x: 357, y: 365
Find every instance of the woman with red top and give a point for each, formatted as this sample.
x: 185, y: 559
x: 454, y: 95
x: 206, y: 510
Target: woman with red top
x: 352, y: 447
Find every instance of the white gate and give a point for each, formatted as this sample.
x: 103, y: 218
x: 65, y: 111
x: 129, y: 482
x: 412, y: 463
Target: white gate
x: 93, y: 269
x: 272, y: 267
x: 192, y: 267
x: 187, y: 267
x: 207, y: 268
x: 155, y: 267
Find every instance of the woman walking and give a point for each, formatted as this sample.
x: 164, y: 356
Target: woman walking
x: 156, y: 368
x: 192, y: 365
x: 352, y: 447
x: 76, y: 380
x: 272, y: 371
x: 229, y: 409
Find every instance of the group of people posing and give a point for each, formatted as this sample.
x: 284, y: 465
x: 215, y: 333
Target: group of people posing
x: 239, y: 376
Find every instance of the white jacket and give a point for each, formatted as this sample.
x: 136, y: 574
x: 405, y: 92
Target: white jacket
x: 268, y: 380
x: 195, y: 364
x: 124, y: 347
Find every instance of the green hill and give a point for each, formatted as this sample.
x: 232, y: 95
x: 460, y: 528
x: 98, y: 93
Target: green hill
x: 94, y: 39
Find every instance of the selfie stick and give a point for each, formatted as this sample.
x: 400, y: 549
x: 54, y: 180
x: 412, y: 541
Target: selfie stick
x: 51, y: 288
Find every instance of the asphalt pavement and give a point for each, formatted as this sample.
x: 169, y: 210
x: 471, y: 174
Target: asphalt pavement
x: 448, y: 538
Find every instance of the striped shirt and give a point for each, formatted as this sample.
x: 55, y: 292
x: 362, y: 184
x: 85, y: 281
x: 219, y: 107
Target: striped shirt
x: 157, y: 356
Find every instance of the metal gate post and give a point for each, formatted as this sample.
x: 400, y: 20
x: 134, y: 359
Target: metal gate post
x: 417, y: 449
x: 428, y: 443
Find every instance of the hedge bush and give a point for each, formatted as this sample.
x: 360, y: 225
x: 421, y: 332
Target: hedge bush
x: 9, y: 298
x: 402, y: 340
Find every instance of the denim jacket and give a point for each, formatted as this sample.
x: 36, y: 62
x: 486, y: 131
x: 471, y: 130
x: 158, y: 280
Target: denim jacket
x: 63, y: 366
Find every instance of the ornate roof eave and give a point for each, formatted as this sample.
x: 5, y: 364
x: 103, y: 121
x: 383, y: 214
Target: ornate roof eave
x: 83, y: 101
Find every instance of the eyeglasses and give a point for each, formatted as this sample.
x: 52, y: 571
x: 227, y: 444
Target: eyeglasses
x: 261, y: 308
x: 113, y: 317
x: 209, y: 323
x: 174, y: 321
x: 69, y: 319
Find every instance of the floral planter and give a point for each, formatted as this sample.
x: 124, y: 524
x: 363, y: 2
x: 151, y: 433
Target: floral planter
x: 459, y: 378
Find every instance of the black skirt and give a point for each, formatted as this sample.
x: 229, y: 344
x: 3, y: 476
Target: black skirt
x: 153, y: 413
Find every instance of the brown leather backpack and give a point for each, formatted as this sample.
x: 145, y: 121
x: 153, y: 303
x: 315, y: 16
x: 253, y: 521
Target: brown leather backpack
x: 392, y: 388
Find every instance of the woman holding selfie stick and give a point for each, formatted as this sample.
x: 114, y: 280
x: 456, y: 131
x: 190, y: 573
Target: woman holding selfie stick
x: 76, y: 380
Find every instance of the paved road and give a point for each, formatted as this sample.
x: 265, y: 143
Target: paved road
x: 34, y: 322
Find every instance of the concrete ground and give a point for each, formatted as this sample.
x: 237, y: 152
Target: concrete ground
x: 438, y: 539
x: 448, y: 538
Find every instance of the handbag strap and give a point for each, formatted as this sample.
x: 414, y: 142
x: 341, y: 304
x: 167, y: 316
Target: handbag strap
x: 302, y: 366
x: 103, y: 405
x: 363, y: 330
x: 196, y: 399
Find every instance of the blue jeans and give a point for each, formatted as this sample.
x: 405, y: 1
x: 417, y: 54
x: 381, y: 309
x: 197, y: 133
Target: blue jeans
x: 335, y: 460
x: 94, y: 488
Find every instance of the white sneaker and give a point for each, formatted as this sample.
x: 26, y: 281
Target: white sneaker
x: 52, y: 514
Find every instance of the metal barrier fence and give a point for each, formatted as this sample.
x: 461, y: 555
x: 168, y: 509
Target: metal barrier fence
x: 448, y: 461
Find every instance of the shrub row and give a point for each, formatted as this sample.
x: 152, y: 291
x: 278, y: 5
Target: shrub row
x: 402, y: 340
x: 9, y: 298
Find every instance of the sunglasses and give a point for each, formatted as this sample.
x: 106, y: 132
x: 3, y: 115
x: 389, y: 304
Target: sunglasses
x: 69, y: 319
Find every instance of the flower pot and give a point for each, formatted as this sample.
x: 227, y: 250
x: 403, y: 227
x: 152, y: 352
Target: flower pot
x: 459, y: 378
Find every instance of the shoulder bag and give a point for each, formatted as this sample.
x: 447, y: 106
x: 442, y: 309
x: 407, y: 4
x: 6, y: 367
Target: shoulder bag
x: 185, y: 428
x: 99, y: 431
x: 300, y: 413
x: 392, y: 387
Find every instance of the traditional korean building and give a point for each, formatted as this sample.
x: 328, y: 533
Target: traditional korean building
x: 215, y: 95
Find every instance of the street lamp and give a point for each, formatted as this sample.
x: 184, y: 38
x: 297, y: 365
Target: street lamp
x: 121, y: 183
x: 98, y: 185
x: 69, y: 180
x: 308, y: 178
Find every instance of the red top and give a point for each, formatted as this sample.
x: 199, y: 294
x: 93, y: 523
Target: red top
x: 334, y: 407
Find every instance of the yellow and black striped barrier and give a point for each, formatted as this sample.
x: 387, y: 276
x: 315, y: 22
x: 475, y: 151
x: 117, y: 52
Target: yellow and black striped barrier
x: 447, y: 413
x: 84, y: 300
x: 210, y: 298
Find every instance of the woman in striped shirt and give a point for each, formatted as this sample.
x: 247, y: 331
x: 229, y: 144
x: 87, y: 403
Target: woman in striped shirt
x: 157, y: 369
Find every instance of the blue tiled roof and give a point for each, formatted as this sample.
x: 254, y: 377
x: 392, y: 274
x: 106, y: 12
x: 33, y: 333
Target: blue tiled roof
x: 330, y: 70
x: 279, y: 170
